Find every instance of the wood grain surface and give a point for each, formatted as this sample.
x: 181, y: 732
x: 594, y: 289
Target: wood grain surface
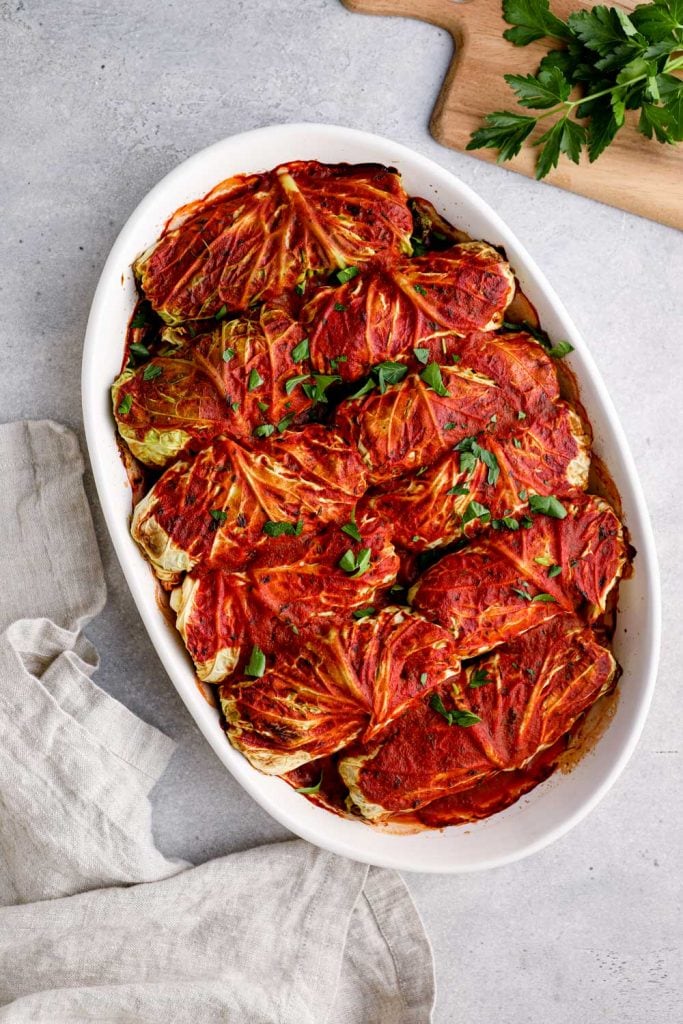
x: 634, y: 173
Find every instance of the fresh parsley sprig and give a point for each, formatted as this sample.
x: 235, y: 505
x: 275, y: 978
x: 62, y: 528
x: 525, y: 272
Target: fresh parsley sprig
x: 617, y: 61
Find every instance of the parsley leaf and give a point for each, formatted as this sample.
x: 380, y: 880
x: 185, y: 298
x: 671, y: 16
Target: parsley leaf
x: 389, y: 373
x: 138, y: 349
x: 620, y: 62
x: 152, y: 371
x: 255, y: 380
x: 264, y: 430
x: 421, y: 354
x: 532, y: 20
x: 547, y: 505
x: 318, y: 390
x: 458, y: 489
x: 470, y: 451
x: 125, y: 405
x: 293, y: 381
x: 479, y: 677
x: 256, y: 665
x: 311, y: 790
x: 355, y: 565
x: 560, y: 350
x: 454, y: 717
x: 364, y: 389
x: 272, y: 529
x: 228, y: 354
x: 540, y: 92
x: 544, y: 598
x: 222, y: 313
x: 504, y: 131
x: 218, y: 515
x: 301, y: 351
x: 431, y: 375
x: 475, y: 511
x: 352, y: 530
x: 347, y: 274
x: 285, y: 422
x: 363, y: 613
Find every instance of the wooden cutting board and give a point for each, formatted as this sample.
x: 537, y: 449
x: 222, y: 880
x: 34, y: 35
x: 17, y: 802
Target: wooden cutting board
x: 634, y: 173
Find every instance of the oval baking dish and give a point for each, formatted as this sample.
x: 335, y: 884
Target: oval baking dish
x: 552, y: 808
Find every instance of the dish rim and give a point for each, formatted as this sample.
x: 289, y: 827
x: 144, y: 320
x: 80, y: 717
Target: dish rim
x: 100, y: 437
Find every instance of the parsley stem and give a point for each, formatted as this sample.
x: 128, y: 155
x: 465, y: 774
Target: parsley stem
x: 568, y: 105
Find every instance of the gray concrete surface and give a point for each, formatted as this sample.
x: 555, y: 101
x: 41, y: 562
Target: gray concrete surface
x: 102, y: 98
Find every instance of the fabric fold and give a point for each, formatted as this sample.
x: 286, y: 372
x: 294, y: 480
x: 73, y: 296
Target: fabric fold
x: 96, y: 924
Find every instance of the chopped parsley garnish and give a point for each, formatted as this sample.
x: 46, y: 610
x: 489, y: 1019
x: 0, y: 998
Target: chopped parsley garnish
x: 311, y: 790
x: 284, y: 423
x: 235, y: 406
x: 543, y: 560
x: 272, y: 529
x: 419, y: 289
x: 421, y: 354
x: 431, y: 375
x: 218, y: 515
x: 265, y: 430
x: 364, y: 389
x: 355, y: 565
x: 562, y: 349
x: 300, y: 288
x: 475, y: 511
x: 479, y: 677
x: 222, y: 312
x: 125, y: 405
x: 140, y: 319
x: 458, y: 489
x: 454, y: 717
x: 521, y: 415
x: 554, y: 570
x: 152, y: 371
x: 470, y: 451
x: 526, y: 523
x: 317, y: 391
x: 389, y: 373
x: 547, y: 505
x: 509, y: 522
x: 300, y: 351
x: 293, y: 381
x: 347, y: 274
x: 339, y: 307
x: 228, y: 354
x: 517, y: 443
x: 263, y: 406
x: 138, y: 349
x: 255, y: 380
x: 363, y: 613
x: 524, y: 594
x: 543, y: 598
x: 423, y: 678
x: 352, y: 530
x: 336, y: 360
x: 449, y: 426
x: 256, y: 665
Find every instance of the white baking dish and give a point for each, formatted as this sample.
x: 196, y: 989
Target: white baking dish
x: 552, y: 808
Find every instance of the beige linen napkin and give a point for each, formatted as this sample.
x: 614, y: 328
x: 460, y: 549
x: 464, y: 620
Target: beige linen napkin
x: 95, y: 923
